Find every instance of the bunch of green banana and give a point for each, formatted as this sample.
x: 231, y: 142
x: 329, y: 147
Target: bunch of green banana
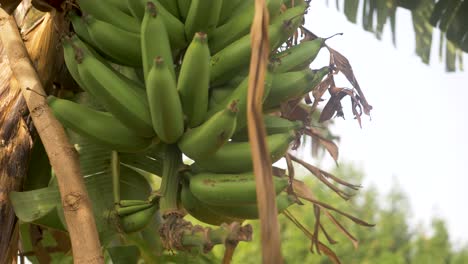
x: 176, y: 71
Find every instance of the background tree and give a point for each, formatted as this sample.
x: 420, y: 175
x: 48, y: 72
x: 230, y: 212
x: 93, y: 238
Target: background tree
x: 391, y: 241
x: 450, y: 16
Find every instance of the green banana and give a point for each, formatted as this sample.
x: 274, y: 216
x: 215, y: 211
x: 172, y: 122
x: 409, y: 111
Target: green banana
x: 155, y: 44
x: 80, y: 27
x: 118, y: 95
x: 207, y: 138
x: 122, y: 46
x: 226, y: 10
x: 298, y: 57
x: 110, y: 14
x: 132, y: 74
x: 138, y: 220
x: 171, y: 6
x: 229, y: 189
x: 250, y: 211
x: 201, y: 211
x: 273, y: 125
x: 194, y: 80
x: 69, y: 58
x: 164, y: 102
x: 238, y: 26
x: 99, y: 127
x: 133, y: 207
x: 219, y: 94
x: 130, y: 203
x: 174, y: 27
x: 224, y: 64
x: 119, y: 4
x: 183, y: 6
x: 202, y: 16
x: 289, y: 85
x: 127, y: 74
x: 236, y: 157
x: 240, y: 95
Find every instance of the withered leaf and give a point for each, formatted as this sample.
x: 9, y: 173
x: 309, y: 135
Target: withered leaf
x: 342, y: 64
x: 330, y: 254
x: 319, y: 174
x: 303, y: 191
x: 329, y: 238
x: 329, y: 145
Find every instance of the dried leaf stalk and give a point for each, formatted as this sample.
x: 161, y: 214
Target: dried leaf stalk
x: 270, y: 235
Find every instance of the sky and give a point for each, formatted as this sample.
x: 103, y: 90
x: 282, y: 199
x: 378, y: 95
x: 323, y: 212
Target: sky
x: 418, y: 127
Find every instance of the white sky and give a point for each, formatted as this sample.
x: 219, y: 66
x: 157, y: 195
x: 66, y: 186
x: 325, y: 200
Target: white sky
x: 419, y: 124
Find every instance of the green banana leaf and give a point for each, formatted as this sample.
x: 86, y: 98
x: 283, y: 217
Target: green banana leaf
x: 38, y: 169
x: 448, y: 15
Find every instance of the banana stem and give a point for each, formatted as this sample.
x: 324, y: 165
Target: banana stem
x: 170, y: 179
x: 115, y: 171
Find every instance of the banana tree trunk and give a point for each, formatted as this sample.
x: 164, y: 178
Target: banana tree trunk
x: 15, y: 147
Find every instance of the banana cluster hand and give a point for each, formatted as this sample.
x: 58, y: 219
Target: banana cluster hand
x: 177, y: 72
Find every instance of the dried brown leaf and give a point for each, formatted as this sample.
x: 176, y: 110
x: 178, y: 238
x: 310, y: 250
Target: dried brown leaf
x: 319, y: 174
x: 320, y: 90
x: 329, y: 145
x: 330, y: 254
x: 303, y: 191
x: 343, y: 230
x: 329, y: 238
x: 342, y: 64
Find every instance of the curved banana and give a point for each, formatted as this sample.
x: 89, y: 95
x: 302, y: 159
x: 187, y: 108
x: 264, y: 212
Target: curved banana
x: 110, y: 14
x: 70, y: 62
x: 126, y: 73
x: 174, y: 27
x: 118, y: 95
x: 201, y: 211
x: 202, y: 16
x: 194, y: 80
x: 227, y: 10
x: 80, y: 27
x: 250, y: 211
x: 207, y: 138
x: 164, y: 103
x: 229, y: 189
x: 298, y: 57
x: 155, y: 44
x: 122, y: 46
x: 273, y: 125
x: 236, y: 157
x: 183, y: 7
x: 289, y: 85
x: 137, y: 221
x: 238, y: 26
x: 219, y: 94
x: 224, y: 64
x: 119, y: 4
x: 171, y: 6
x: 240, y: 95
x: 100, y: 127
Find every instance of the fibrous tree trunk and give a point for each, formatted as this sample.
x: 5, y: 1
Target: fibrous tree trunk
x: 15, y: 147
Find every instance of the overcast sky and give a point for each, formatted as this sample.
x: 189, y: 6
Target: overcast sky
x: 419, y: 123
